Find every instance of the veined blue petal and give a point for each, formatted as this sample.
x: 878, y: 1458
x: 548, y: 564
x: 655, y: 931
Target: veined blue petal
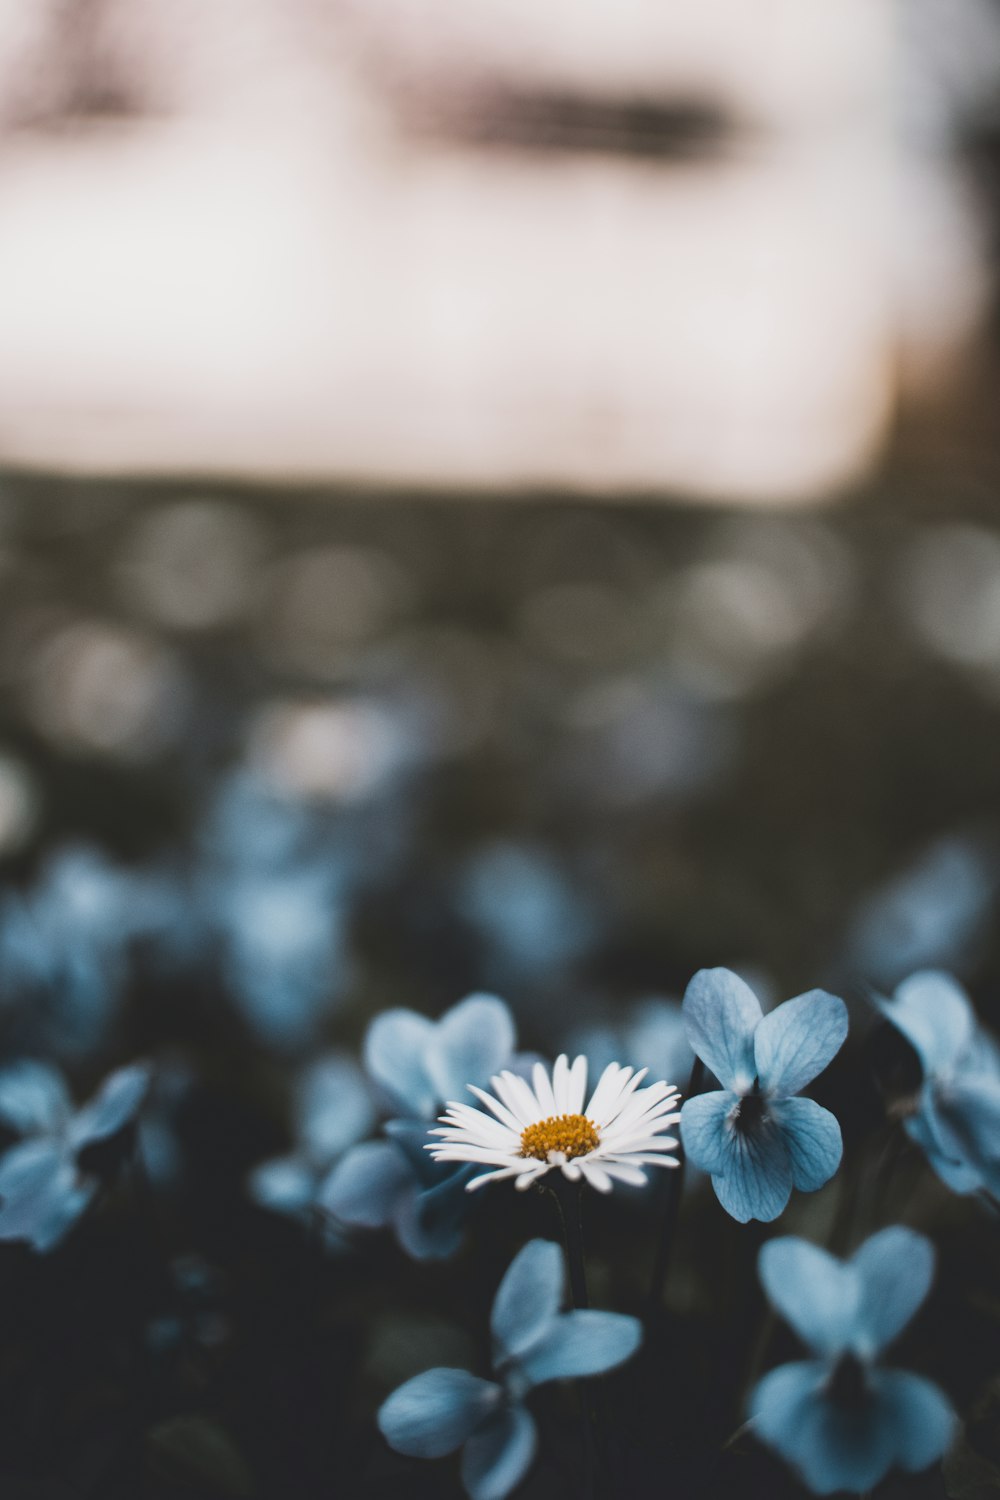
x: 933, y: 1012
x: 917, y: 1414
x: 497, y: 1457
x: 582, y: 1343
x: 703, y: 1129
x: 721, y: 1014
x: 832, y: 1446
x: 471, y: 1042
x: 755, y: 1179
x: 895, y: 1269
x: 33, y: 1098
x: 114, y: 1106
x: 435, y: 1412
x: 797, y: 1041
x: 528, y: 1298
x: 813, y: 1291
x: 812, y: 1136
x: 395, y: 1052
x: 367, y: 1185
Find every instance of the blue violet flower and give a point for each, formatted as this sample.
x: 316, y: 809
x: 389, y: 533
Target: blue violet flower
x: 419, y: 1064
x: 533, y: 1342
x: 955, y: 1118
x: 840, y: 1418
x: 755, y: 1138
x: 46, y: 1183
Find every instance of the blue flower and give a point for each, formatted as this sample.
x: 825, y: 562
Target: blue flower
x: 332, y: 1110
x: 533, y: 1342
x: 956, y: 1119
x: 419, y: 1064
x: 840, y: 1419
x: 65, y: 946
x: 937, y: 911
x: 270, y: 893
x: 532, y: 920
x: 755, y: 1138
x: 46, y: 1180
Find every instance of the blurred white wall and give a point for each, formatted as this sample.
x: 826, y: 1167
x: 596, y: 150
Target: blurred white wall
x: 400, y: 242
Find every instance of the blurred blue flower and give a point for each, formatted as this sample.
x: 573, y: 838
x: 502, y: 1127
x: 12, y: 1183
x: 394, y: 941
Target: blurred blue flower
x: 333, y: 1109
x: 65, y: 946
x: 533, y: 1342
x: 270, y: 894
x: 419, y: 1064
x: 46, y: 1182
x: 936, y: 912
x: 530, y: 918
x: 956, y: 1118
x: 839, y: 1419
x: 650, y: 1034
x: 756, y: 1139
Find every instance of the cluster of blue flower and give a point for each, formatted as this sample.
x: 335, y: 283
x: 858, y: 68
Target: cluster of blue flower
x: 839, y: 1418
x: 369, y: 1154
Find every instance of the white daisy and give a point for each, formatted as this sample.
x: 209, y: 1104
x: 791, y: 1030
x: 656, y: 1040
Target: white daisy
x: 529, y: 1130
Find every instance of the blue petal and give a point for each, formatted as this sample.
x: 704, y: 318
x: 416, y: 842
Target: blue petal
x: 435, y: 1412
x: 755, y: 1179
x: 114, y: 1106
x: 41, y: 1194
x: 657, y: 1040
x: 497, y: 1457
x: 923, y: 1128
x: 813, y: 1138
x: 933, y: 1013
x: 833, y: 1447
x: 396, y: 1047
x: 333, y: 1106
x: 721, y: 1014
x: 813, y: 1291
x: 367, y: 1185
x: 797, y: 1041
x: 582, y: 1343
x: 895, y: 1269
x: 286, y: 1185
x: 412, y: 1137
x: 430, y: 1225
x: 528, y: 1298
x: 33, y: 1098
x: 966, y: 1117
x: 471, y: 1042
x: 917, y: 1414
x: 704, y: 1131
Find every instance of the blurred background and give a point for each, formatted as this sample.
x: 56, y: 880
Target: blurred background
x: 491, y: 497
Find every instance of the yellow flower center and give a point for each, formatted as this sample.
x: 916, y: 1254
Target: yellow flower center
x: 573, y: 1135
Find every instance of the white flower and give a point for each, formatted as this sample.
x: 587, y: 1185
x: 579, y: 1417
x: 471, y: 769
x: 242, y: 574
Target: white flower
x: 530, y: 1130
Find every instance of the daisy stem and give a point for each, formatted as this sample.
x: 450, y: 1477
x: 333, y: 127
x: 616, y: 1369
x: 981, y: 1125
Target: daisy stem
x: 569, y: 1202
x: 671, y: 1209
